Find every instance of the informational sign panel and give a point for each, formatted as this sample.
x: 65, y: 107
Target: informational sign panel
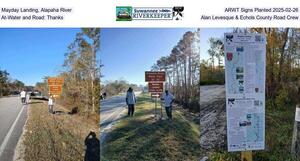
x: 155, y: 76
x: 55, y: 81
x: 156, y: 87
x: 245, y: 68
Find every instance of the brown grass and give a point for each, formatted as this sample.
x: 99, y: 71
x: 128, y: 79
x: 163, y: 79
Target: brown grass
x: 58, y: 137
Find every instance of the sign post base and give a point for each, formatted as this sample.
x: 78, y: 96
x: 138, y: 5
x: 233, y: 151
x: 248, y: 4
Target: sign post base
x: 246, y: 156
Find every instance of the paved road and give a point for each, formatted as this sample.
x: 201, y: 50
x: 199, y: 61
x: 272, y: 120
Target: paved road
x: 211, y: 93
x: 12, y: 119
x: 111, y: 110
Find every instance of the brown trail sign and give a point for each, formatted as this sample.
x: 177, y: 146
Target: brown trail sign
x: 151, y: 76
x: 55, y: 85
x: 155, y: 81
x: 155, y: 87
x: 55, y: 81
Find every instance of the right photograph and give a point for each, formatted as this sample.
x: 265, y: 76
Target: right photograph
x: 249, y: 94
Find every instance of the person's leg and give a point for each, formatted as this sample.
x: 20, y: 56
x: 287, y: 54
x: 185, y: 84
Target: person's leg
x: 52, y: 109
x: 170, y: 112
x: 132, y: 110
x: 128, y: 110
x: 167, y: 111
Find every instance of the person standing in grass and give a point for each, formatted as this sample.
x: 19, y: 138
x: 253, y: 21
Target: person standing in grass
x: 50, y: 104
x: 23, y: 96
x: 130, y: 101
x: 169, y: 99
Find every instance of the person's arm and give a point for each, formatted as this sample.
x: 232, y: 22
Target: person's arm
x: 134, y: 97
x: 173, y: 99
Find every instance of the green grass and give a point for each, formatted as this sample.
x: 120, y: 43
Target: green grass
x: 279, y: 132
x: 142, y: 138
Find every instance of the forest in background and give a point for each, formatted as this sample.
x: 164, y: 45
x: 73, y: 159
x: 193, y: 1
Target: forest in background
x: 182, y: 67
x: 81, y: 73
x: 116, y: 87
x: 282, y: 64
x: 9, y: 86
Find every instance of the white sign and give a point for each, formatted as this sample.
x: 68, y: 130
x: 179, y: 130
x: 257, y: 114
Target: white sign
x: 297, y: 114
x: 245, y: 68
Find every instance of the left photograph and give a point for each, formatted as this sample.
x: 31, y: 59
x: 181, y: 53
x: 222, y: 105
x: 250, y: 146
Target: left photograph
x: 49, y: 94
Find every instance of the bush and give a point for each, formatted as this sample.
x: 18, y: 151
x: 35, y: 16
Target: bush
x: 282, y: 99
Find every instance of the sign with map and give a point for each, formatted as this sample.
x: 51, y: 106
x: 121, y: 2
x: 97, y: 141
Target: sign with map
x: 245, y: 68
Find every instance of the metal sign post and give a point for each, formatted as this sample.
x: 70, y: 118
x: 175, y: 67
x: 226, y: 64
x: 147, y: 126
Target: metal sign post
x: 155, y: 107
x: 295, y: 150
x: 155, y: 81
x: 161, y: 113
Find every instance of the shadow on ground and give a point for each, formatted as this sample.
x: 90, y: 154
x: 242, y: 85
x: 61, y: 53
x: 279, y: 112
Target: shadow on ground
x: 92, y: 152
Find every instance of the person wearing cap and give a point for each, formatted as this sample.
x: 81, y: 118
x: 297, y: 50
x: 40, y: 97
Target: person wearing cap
x: 169, y: 99
x: 130, y: 101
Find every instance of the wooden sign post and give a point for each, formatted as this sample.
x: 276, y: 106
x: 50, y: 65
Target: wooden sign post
x: 246, y: 156
x: 295, y: 150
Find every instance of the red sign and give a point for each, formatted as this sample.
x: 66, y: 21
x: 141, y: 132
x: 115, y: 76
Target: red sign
x: 159, y: 76
x: 155, y: 87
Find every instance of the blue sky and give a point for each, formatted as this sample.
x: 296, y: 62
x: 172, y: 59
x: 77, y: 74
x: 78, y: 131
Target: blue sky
x: 207, y: 33
x: 128, y: 53
x: 30, y: 54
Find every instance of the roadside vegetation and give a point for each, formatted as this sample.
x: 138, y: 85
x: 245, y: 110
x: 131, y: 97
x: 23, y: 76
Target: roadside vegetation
x: 116, y: 87
x: 142, y: 138
x: 64, y: 134
x: 282, y: 89
x: 182, y: 70
x: 9, y: 86
x: 56, y: 137
x: 81, y: 73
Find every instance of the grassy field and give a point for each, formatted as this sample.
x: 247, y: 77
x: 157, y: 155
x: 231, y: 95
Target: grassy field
x: 142, y: 138
x: 279, y: 132
x: 56, y: 137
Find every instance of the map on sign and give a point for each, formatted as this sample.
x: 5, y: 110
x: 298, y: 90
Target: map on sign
x: 245, y: 57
